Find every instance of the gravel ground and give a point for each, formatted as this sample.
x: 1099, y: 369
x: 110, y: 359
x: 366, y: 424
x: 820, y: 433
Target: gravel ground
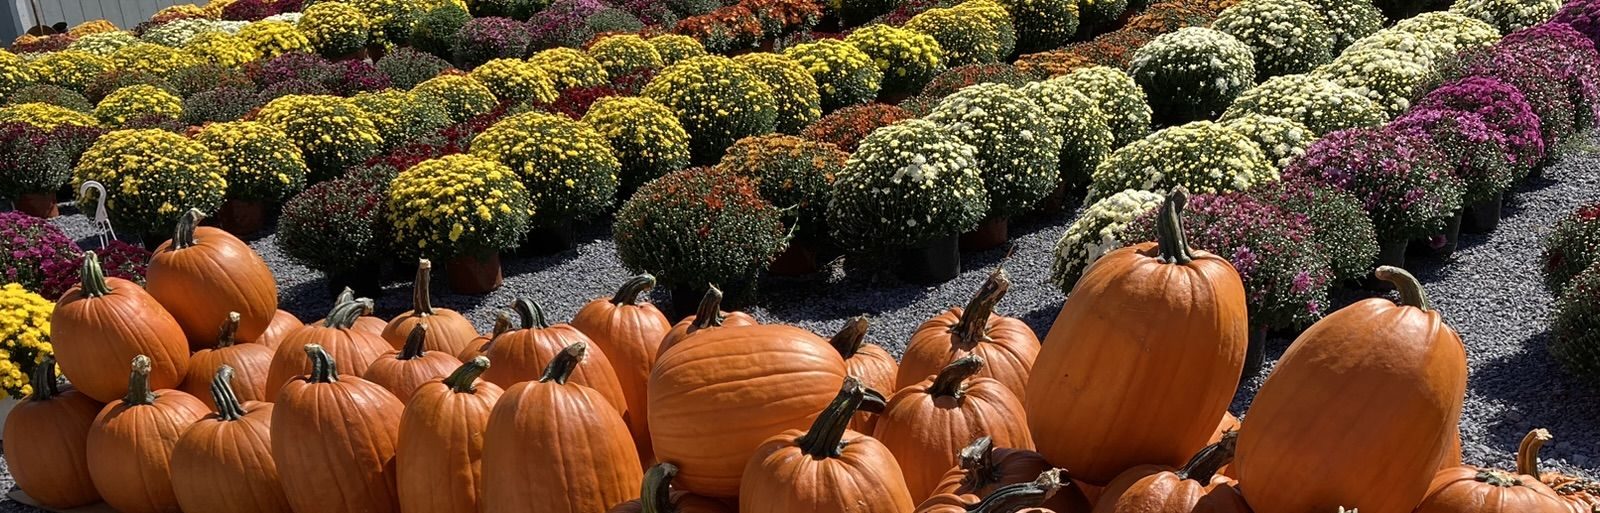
x: 1489, y: 291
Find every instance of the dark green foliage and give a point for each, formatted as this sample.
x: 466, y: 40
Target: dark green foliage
x: 221, y: 104
x: 205, y: 77
x: 1340, y: 228
x: 335, y: 226
x: 406, y: 67
x: 699, y: 226
x: 435, y: 30
x: 51, y: 94
x: 1572, y: 247
x: 1575, y: 330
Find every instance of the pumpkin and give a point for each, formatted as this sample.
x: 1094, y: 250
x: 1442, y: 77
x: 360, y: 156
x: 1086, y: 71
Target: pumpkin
x: 44, y: 442
x: 927, y: 424
x: 448, y: 330
x: 1355, y: 411
x: 1580, y: 495
x: 224, y: 461
x: 826, y: 468
x: 102, y: 323
x: 282, y: 324
x: 520, y: 355
x: 869, y: 363
x: 1027, y: 497
x: 722, y: 393
x: 130, y: 444
x: 982, y: 468
x: 502, y: 324
x: 657, y: 496
x: 708, y: 316
x: 1195, y: 487
x: 628, y: 332
x: 403, y: 371
x: 1007, y: 344
x: 1143, y: 358
x: 439, y: 462
x: 249, y: 361
x: 334, y: 438
x: 354, y: 350
x: 203, y: 273
x: 365, y: 322
x: 554, y: 446
x: 1466, y: 489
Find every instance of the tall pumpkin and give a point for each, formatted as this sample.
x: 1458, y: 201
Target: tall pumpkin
x: 282, y: 324
x: 1143, y: 358
x: 1196, y: 487
x: 403, y: 371
x: 629, y: 332
x: 869, y: 363
x: 102, y: 323
x: 1029, y: 497
x: 554, y: 446
x: 657, y: 496
x: 1356, y: 409
x: 982, y: 468
x: 45, y: 439
x: 522, y: 355
x: 334, y: 438
x: 224, y: 461
x: 249, y: 362
x: 707, y: 317
x: 130, y: 444
x: 448, y: 330
x: 352, y: 349
x: 1467, y: 489
x: 720, y: 394
x: 203, y: 273
x: 439, y: 461
x: 1007, y: 344
x: 927, y: 424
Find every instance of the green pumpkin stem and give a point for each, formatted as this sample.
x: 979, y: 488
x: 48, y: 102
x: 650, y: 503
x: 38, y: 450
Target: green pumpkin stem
x: 345, y: 296
x: 183, y: 233
x: 565, y: 362
x: 421, y: 303
x: 973, y: 326
x: 465, y: 378
x: 44, y: 382
x: 977, y: 458
x: 952, y: 380
x: 656, y: 494
x: 502, y: 324
x: 1205, y: 464
x: 228, y: 407
x: 139, y: 383
x: 1528, y: 451
x: 709, y: 313
x: 1411, y: 293
x: 344, y: 314
x: 530, y: 312
x: 850, y: 338
x: 1170, y: 239
x: 629, y: 293
x: 873, y: 401
x: 323, y: 368
x: 228, y: 332
x: 826, y: 435
x: 92, y: 279
x: 415, y: 341
x: 1020, y: 496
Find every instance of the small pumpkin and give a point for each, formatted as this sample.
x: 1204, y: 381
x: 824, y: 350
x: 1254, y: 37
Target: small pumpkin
x: 1580, y: 495
x: 249, y: 361
x: 203, y: 273
x: 44, y: 442
x: 1027, y: 497
x: 982, y: 468
x: 1465, y: 489
x: 101, y: 323
x: 545, y: 437
x: 869, y: 363
x: 1007, y: 344
x: 1196, y: 487
x: 352, y: 349
x: 130, y: 444
x: 657, y: 496
x: 224, y: 462
x: 365, y: 322
x: 502, y: 324
x: 629, y: 332
x: 403, y: 371
x: 334, y: 438
x: 282, y: 324
x: 708, y: 316
x: 449, y: 332
x: 439, y: 461
x: 926, y: 425
x: 520, y: 355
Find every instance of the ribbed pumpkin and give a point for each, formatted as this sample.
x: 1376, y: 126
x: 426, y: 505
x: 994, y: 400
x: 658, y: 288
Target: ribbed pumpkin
x: 1467, y: 489
x: 365, y: 322
x: 448, y: 330
x: 628, y: 332
x: 224, y: 461
x: 203, y: 273
x: 708, y: 316
x: 1007, y: 345
x: 502, y: 325
x: 403, y: 371
x: 927, y: 424
x: 440, y: 458
x: 45, y: 439
x: 282, y: 324
x: 1029, y: 497
x: 354, y: 350
x: 1143, y: 358
x: 334, y: 438
x: 720, y: 394
x: 1194, y: 488
x: 826, y: 468
x: 130, y: 444
x: 1580, y: 495
x: 982, y: 468
x: 1355, y: 411
x: 554, y: 446
x: 657, y: 496
x: 522, y: 354
x: 249, y: 361
x: 102, y: 323
x: 869, y: 363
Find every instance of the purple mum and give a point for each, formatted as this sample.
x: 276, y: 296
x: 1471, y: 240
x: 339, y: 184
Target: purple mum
x: 1397, y: 177
x: 1502, y: 108
x: 28, y: 245
x: 1475, y: 153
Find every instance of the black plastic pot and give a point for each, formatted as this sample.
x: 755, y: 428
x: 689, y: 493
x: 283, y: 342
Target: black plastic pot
x: 1442, y: 245
x: 936, y: 262
x: 1483, y: 217
x: 1255, y: 356
x: 366, y: 283
x: 549, y: 239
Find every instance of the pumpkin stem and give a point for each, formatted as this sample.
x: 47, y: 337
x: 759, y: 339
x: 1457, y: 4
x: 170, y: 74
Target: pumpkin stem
x: 92, y: 279
x: 1020, y: 496
x: 421, y: 304
x: 851, y: 337
x: 1170, y: 239
x: 502, y: 324
x: 531, y: 314
x: 228, y: 407
x: 826, y: 435
x: 1497, y: 478
x: 629, y: 293
x: 709, y: 313
x: 344, y: 314
x: 230, y: 327
x: 465, y: 378
x: 566, y: 361
x: 1528, y: 451
x: 323, y: 368
x: 45, y: 386
x: 414, y: 342
x: 952, y: 380
x: 873, y: 401
x: 345, y: 296
x: 977, y: 458
x: 1411, y: 293
x: 139, y: 383
x: 183, y: 234
x: 656, y: 494
x: 972, y: 329
x: 1205, y: 464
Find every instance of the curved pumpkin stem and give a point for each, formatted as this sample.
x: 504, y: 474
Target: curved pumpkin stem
x: 873, y: 401
x: 323, y: 368
x: 1020, y: 496
x: 656, y: 494
x: 827, y: 432
x: 228, y: 407
x: 230, y: 327
x: 1528, y: 451
x: 851, y: 337
x: 465, y: 378
x: 344, y: 315
x: 139, y: 383
x: 709, y: 313
x: 977, y: 458
x: 421, y: 303
x: 43, y: 380
x: 1205, y: 464
x: 1411, y: 293
x: 414, y: 342
x: 1170, y: 239
x: 566, y: 361
x: 628, y: 294
x: 345, y: 296
x: 92, y: 278
x: 502, y: 324
x: 183, y: 233
x: 973, y: 327
x: 531, y: 314
x: 952, y: 381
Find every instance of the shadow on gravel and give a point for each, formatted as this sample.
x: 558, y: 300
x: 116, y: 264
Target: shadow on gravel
x: 1538, y: 393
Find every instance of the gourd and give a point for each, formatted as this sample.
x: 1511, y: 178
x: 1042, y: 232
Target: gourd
x: 224, y: 461
x: 1008, y: 346
x: 926, y: 425
x: 352, y: 349
x: 448, y: 330
x: 130, y: 444
x: 439, y: 463
x: 334, y: 438
x: 707, y: 317
x: 402, y: 372
x: 520, y: 355
x: 1480, y: 490
x: 1196, y: 487
x: 250, y: 363
x: 44, y: 443
x: 102, y: 323
x: 203, y: 273
x: 657, y: 496
x: 629, y: 332
x: 869, y: 363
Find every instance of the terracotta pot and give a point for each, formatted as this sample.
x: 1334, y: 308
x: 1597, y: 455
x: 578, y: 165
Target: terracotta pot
x: 799, y: 259
x: 474, y: 275
x: 37, y: 204
x: 937, y: 262
x: 992, y: 233
x: 242, y: 218
x: 549, y: 240
x: 358, y: 55
x: 1484, y: 216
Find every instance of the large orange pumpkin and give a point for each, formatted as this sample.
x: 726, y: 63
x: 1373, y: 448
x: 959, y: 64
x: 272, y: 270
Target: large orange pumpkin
x: 826, y: 468
x: 554, y: 446
x: 657, y: 496
x: 1194, y: 488
x: 521, y: 355
x: 102, y: 323
x: 869, y: 363
x: 224, y: 461
x: 130, y: 444
x: 439, y: 461
x: 354, y: 350
x: 1143, y: 358
x: 282, y: 324
x: 1029, y: 497
x: 982, y: 468
x: 1356, y: 409
x: 720, y: 394
x: 334, y: 438
x: 1465, y: 489
x: 1007, y: 344
x: 249, y: 361
x: 927, y: 424
x: 403, y: 371
x: 502, y: 325
x: 629, y: 332
x: 708, y: 317
x: 448, y: 330
x: 44, y: 442
x: 203, y: 273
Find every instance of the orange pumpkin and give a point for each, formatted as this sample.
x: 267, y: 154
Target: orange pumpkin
x: 203, y: 273
x: 553, y: 446
x: 1580, y: 495
x: 250, y: 362
x: 721, y: 393
x: 334, y: 438
x: 657, y: 496
x: 502, y: 325
x: 1029, y: 497
x: 44, y: 442
x: 102, y: 323
x: 926, y: 425
x: 826, y: 468
x: 354, y: 350
x: 365, y: 323
x: 1228, y: 424
x: 709, y: 316
x: 982, y: 468
x: 869, y: 363
x: 629, y: 333
x: 1007, y: 344
x: 1467, y: 489
x: 449, y: 331
x: 130, y: 444
x: 224, y: 461
x: 1355, y: 411
x: 282, y: 323
x: 1143, y: 359
x: 520, y: 355
x: 403, y: 371
x: 439, y: 461
x: 1195, y: 487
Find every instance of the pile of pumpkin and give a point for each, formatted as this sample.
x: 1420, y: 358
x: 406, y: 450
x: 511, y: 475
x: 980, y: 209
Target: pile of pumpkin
x: 1121, y: 410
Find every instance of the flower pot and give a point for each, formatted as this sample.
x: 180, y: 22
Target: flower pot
x: 1391, y: 253
x: 1484, y: 216
x: 1444, y: 244
x: 37, y: 204
x: 799, y: 259
x: 938, y: 261
x: 1256, y: 355
x: 474, y: 275
x: 549, y: 239
x: 242, y: 218
x: 991, y: 233
x: 367, y: 282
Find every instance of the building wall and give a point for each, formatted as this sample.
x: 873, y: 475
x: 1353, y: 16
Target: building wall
x: 19, y: 15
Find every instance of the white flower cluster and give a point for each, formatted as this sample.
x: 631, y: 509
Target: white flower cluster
x: 1018, y: 143
x: 1286, y: 36
x: 1119, y: 98
x: 1097, y: 232
x: 1205, y: 157
x: 1390, y: 78
x: 909, y: 183
x: 1283, y: 140
x: 1193, y: 73
x: 1411, y: 45
x: 1318, y: 103
x: 1086, y: 135
x: 288, y: 17
x: 1508, y: 15
x: 1349, y: 20
x: 1448, y: 32
x: 176, y: 33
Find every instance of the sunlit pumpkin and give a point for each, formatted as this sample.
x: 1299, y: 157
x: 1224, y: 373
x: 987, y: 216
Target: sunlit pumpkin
x: 927, y: 424
x: 365, y: 322
x: 203, y: 273
x: 130, y: 444
x: 439, y: 461
x: 250, y: 363
x: 826, y: 468
x: 869, y: 363
x: 629, y: 332
x: 223, y: 462
x: 1465, y: 489
x: 282, y: 323
x: 352, y: 349
x: 448, y: 331
x: 502, y: 325
x: 1007, y: 345
x: 657, y: 496
x: 45, y: 437
x: 1194, y: 488
x: 405, y: 370
x: 707, y: 317
x: 99, y: 325
x: 523, y: 353
x: 334, y: 438
x: 982, y: 468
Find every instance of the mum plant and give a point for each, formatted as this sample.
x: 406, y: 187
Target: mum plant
x: 177, y: 33
x: 27, y: 245
x: 1399, y: 179
x: 699, y: 226
x: 1503, y: 109
x: 1101, y: 228
x: 570, y: 68
x: 103, y: 43
x: 331, y: 132
x: 135, y: 102
x: 908, y: 184
x: 32, y: 161
x: 462, y: 97
x: 1318, y: 103
x: 117, y: 260
x: 907, y: 58
x: 336, y: 227
x: 25, y: 326
x: 676, y: 47
x: 717, y: 100
x: 1171, y: 16
x: 335, y: 29
x: 207, y: 76
x: 1349, y: 20
x: 1120, y: 98
x: 483, y: 39
x: 15, y: 72
x: 1474, y: 152
x: 390, y: 20
x: 1543, y: 87
x: 1508, y: 15
x: 844, y: 74
x: 1565, y: 55
x: 435, y: 30
x: 846, y: 127
x: 645, y: 137
x: 46, y: 116
x: 516, y: 80
x: 71, y: 69
x: 457, y: 205
x: 1282, y: 140
x: 1043, y: 24
x: 965, y: 38
x: 1574, y: 329
x: 1202, y: 156
x: 1572, y: 247
x: 1192, y: 74
x: 158, y: 175
x: 406, y: 67
x: 1286, y: 36
x: 259, y: 162
x: 1581, y: 15
x: 567, y: 167
x: 152, y: 58
x: 1341, y: 229
x: 1017, y: 141
x: 223, y: 49
x: 1085, y: 134
x: 50, y: 94
x: 1390, y: 78
x: 798, y: 98
x: 792, y: 173
x: 273, y: 38
x: 1449, y: 33
x: 625, y: 53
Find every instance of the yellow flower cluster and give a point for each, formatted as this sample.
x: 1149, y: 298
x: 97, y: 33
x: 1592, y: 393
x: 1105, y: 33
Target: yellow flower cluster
x: 908, y: 59
x: 24, y: 337
x: 104, y: 44
x: 645, y: 137
x: 457, y: 205
x: 461, y: 96
x: 92, y: 27
x: 213, y: 9
x: 14, y: 73
x: 570, y: 68
x: 45, y: 116
x: 677, y: 47
x: 516, y: 79
x: 964, y: 37
x: 182, y: 11
x: 71, y: 69
x: 567, y: 166
x: 153, y: 59
x: 844, y: 74
x: 260, y: 162
x: 331, y: 132
x: 137, y: 101
x: 717, y: 100
x: 335, y: 28
x: 389, y: 19
x: 274, y: 38
x: 222, y: 49
x: 400, y: 116
x: 153, y: 176
x: 799, y: 99
x: 429, y: 5
x: 625, y: 53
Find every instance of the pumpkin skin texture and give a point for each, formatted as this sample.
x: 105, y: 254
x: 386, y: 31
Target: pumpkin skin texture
x: 554, y: 446
x: 102, y: 323
x: 1393, y: 375
x: 352, y: 349
x: 449, y: 332
x: 927, y: 424
x: 1008, y: 346
x: 334, y: 438
x: 720, y: 394
x: 522, y: 355
x: 282, y: 324
x: 629, y: 332
x: 45, y: 439
x: 869, y: 363
x: 249, y: 362
x: 1028, y: 497
x: 440, y: 458
x: 224, y: 461
x: 403, y: 372
x: 1143, y: 359
x: 130, y: 444
x: 1579, y: 495
x: 657, y: 496
x: 203, y: 273
x: 708, y: 317
x: 982, y: 468
x: 1192, y: 489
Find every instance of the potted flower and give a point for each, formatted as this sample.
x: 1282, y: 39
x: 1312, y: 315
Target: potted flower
x: 273, y: 38
x: 626, y: 53
x: 337, y: 30
x: 1019, y: 148
x: 1282, y: 140
x: 798, y: 98
x: 1318, y: 103
x: 1124, y: 104
x: 25, y: 332
x: 846, y: 75
x: 676, y: 47
x: 1192, y: 74
x: 1286, y: 36
x: 516, y: 80
x: 1342, y: 230
x: 331, y: 132
x: 567, y: 167
x: 1205, y: 157
x: 1573, y: 329
x: 1085, y: 134
x: 484, y: 39
x: 796, y: 175
x: 262, y: 168
x: 1475, y: 153
x: 33, y: 166
x: 117, y: 259
x: 717, y: 100
x: 138, y: 102
x: 462, y: 210
x: 1573, y: 246
x: 401, y: 117
x: 965, y: 37
x: 339, y: 228
x: 30, y: 245
x: 173, y: 174
x: 908, y: 59
x: 644, y: 136
x: 462, y: 97
x: 1100, y: 229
